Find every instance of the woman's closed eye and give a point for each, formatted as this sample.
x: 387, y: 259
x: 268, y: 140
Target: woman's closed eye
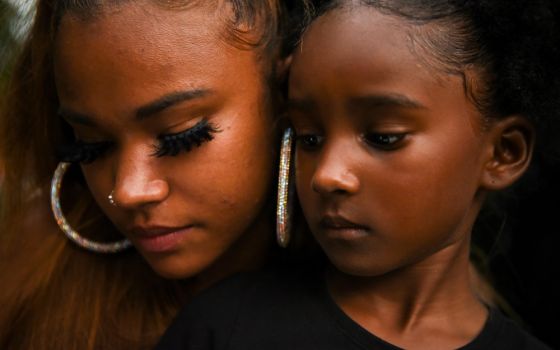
x: 167, y: 144
x: 184, y: 141
x: 82, y: 152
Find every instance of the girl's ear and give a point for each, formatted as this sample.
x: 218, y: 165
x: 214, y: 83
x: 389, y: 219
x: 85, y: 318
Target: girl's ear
x: 511, y: 142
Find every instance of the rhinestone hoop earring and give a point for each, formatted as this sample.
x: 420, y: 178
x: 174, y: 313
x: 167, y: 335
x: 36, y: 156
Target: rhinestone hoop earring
x: 67, y: 229
x: 284, y: 208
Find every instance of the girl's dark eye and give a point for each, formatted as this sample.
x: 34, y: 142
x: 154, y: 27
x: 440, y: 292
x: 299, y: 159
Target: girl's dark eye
x: 308, y: 141
x: 383, y: 141
x: 82, y: 152
x: 184, y: 141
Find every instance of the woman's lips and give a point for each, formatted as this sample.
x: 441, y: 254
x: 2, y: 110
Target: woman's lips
x: 159, y: 239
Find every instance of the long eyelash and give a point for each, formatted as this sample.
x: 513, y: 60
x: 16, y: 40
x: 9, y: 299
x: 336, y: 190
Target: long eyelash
x: 82, y: 152
x: 172, y: 144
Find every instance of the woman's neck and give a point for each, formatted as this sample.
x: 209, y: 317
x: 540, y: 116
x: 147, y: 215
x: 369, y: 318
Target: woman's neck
x: 429, y: 302
x: 249, y: 252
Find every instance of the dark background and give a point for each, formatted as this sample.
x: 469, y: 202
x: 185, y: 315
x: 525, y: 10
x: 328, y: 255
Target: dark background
x: 520, y: 249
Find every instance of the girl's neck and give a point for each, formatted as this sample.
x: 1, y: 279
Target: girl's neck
x: 431, y: 300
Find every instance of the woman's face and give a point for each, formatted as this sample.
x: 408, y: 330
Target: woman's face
x: 389, y: 149
x: 179, y: 124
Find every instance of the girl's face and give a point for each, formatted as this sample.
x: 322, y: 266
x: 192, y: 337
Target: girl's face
x: 180, y: 128
x: 389, y: 150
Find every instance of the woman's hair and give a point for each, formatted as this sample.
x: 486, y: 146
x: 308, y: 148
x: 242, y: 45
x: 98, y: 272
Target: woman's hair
x: 508, y: 54
x: 55, y: 295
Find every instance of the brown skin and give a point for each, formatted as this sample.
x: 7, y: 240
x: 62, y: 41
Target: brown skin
x: 395, y: 219
x: 109, y: 66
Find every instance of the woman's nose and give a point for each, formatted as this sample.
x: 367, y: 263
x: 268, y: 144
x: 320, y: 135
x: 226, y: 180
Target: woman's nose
x: 138, y: 183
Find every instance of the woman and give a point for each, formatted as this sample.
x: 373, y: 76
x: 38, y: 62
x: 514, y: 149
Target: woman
x: 162, y: 114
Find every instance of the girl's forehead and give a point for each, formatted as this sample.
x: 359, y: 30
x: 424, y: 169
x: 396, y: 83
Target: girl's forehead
x: 362, y: 54
x: 361, y: 35
x: 362, y: 40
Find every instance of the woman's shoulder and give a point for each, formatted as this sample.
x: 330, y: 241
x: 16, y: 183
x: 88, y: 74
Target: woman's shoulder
x: 252, y: 290
x: 246, y: 301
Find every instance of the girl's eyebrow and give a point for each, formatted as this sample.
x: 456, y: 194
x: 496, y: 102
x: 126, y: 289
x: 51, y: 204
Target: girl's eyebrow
x: 142, y: 112
x: 363, y: 101
x: 384, y: 100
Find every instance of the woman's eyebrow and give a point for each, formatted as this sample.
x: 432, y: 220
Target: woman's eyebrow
x: 169, y: 100
x: 75, y: 117
x: 143, y: 112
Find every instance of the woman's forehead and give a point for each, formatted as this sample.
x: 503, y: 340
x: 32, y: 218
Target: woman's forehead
x: 119, y: 61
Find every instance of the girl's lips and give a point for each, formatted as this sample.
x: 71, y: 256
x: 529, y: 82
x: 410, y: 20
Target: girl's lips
x: 337, y: 222
x: 338, y: 227
x: 160, y: 239
x: 345, y: 234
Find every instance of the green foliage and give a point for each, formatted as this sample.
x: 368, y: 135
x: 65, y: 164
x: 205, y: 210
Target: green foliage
x: 8, y: 40
x: 15, y: 17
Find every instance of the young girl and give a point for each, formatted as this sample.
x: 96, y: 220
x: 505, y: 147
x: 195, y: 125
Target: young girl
x: 161, y: 113
x: 407, y: 115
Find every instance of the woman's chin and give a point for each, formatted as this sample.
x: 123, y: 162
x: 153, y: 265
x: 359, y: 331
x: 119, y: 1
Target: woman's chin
x: 175, y: 266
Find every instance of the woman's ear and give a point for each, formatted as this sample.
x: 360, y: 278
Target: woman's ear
x: 511, y: 142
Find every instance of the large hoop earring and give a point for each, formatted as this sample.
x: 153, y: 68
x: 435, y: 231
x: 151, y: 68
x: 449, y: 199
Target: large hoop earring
x: 67, y: 229
x: 284, y: 207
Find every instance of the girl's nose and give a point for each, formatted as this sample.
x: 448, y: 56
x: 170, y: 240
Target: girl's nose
x: 333, y: 173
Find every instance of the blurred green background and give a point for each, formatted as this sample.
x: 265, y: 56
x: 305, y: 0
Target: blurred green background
x: 15, y: 18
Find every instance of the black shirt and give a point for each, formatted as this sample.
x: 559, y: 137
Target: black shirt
x: 293, y: 311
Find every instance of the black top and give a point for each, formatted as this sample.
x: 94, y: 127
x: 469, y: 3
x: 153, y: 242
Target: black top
x: 285, y: 311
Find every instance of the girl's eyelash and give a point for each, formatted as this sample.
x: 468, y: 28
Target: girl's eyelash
x: 384, y: 141
x: 308, y: 141
x: 172, y: 144
x: 82, y: 152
